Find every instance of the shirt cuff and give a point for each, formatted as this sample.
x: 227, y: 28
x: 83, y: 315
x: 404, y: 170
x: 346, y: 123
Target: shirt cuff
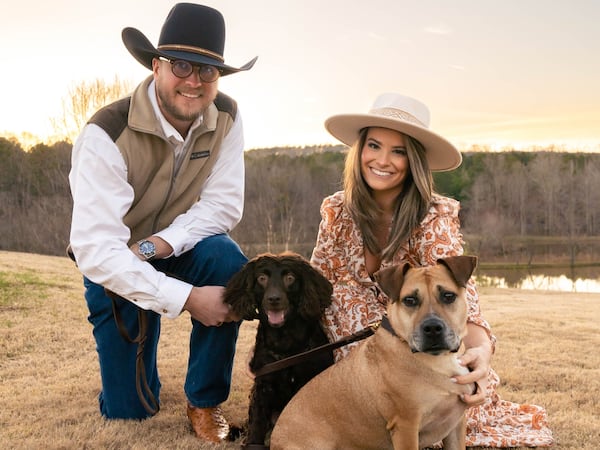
x: 171, y: 297
x: 173, y: 237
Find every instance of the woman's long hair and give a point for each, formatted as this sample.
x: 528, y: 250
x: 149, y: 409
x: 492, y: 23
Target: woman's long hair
x: 410, y: 207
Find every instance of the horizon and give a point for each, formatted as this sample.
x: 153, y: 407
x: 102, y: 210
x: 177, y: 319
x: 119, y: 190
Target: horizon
x: 28, y: 141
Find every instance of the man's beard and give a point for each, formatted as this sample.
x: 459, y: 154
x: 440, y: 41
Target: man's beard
x: 175, y: 112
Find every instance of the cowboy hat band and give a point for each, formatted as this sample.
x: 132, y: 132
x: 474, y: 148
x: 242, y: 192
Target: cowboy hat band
x: 404, y: 114
x: 188, y: 48
x: 195, y: 33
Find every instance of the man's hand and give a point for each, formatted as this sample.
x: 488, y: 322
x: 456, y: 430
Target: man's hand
x: 205, y: 304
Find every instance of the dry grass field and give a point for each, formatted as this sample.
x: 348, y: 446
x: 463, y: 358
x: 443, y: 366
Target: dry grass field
x: 547, y: 354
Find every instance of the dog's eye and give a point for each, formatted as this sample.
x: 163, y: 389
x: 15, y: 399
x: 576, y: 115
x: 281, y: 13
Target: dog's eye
x: 410, y: 301
x: 289, y: 278
x: 262, y: 279
x: 448, y: 297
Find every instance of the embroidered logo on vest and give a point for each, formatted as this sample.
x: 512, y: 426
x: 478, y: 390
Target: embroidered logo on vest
x: 198, y: 155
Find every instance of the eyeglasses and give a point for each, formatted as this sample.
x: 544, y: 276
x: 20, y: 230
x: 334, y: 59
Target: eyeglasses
x: 183, y: 69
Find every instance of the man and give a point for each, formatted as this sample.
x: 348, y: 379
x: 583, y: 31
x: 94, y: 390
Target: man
x: 157, y: 181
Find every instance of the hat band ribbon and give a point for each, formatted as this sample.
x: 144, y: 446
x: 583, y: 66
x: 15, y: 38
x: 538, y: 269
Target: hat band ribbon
x: 397, y: 114
x: 188, y: 48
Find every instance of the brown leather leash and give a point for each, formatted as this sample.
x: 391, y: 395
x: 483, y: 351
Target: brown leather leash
x: 304, y: 356
x: 141, y: 380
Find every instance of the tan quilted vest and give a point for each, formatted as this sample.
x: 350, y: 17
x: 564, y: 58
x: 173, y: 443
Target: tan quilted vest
x: 159, y: 195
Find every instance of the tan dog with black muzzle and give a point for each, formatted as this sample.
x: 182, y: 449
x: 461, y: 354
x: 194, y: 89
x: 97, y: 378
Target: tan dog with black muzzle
x: 395, y: 389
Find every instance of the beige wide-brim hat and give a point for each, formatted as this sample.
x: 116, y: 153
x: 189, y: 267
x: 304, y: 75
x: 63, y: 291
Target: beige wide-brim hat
x: 404, y: 114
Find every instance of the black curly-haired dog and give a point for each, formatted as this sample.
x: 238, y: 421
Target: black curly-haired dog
x: 288, y: 297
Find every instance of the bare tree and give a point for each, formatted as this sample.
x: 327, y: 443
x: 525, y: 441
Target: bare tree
x: 545, y: 174
x: 283, y: 195
x: 82, y: 100
x: 590, y: 196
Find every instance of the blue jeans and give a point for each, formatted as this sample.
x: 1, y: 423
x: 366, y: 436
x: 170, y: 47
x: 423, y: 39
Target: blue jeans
x: 211, y: 350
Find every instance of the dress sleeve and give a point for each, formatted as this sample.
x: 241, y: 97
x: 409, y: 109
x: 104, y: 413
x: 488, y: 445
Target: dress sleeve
x: 327, y: 255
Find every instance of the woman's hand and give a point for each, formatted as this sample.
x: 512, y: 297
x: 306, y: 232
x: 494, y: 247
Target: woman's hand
x: 477, y: 358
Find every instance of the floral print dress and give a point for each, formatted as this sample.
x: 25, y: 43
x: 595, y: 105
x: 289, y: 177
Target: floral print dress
x: 357, y: 302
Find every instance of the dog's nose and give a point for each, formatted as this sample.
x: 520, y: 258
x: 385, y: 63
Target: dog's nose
x: 432, y: 328
x: 273, y: 299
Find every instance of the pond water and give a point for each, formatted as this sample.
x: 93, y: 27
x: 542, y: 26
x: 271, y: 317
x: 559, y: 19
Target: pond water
x: 566, y: 279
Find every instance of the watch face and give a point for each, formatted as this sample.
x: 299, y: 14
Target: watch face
x: 147, y: 249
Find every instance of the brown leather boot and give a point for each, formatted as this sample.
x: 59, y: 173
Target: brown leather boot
x: 208, y: 423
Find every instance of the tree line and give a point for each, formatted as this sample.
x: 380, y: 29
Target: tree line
x: 517, y: 206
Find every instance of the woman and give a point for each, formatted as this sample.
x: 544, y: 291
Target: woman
x: 389, y: 213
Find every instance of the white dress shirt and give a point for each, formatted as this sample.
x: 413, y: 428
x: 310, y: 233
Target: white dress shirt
x: 102, y: 196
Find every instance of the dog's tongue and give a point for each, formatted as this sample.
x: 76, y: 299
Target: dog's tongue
x: 276, y: 317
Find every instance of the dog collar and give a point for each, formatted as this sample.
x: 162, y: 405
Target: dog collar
x: 386, y: 325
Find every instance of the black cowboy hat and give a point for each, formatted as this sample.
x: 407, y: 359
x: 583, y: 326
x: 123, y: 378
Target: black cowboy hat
x: 195, y: 33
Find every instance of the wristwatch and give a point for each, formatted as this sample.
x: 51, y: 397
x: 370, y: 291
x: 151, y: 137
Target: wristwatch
x: 147, y: 249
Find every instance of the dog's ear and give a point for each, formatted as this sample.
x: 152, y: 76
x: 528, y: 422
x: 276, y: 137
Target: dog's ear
x: 239, y: 292
x: 316, y: 289
x: 391, y: 278
x: 461, y: 267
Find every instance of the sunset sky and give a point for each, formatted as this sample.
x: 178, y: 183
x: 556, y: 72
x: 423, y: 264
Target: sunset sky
x: 498, y: 73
